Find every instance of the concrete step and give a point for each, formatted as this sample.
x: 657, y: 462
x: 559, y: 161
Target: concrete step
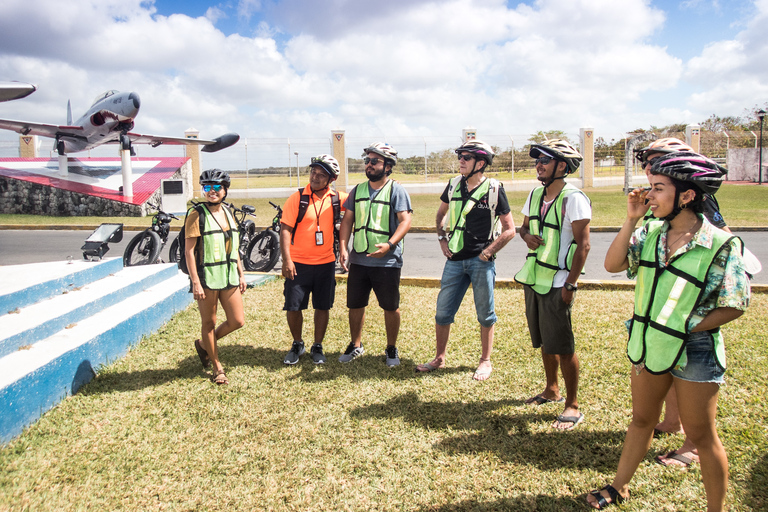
x: 22, y: 285
x: 44, y: 318
x: 37, y: 378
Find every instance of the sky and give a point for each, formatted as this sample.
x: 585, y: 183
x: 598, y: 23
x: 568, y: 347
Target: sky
x: 389, y: 70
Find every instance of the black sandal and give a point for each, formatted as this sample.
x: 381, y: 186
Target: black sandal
x: 202, y: 354
x: 613, y: 494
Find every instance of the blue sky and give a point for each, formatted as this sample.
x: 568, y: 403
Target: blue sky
x: 401, y: 69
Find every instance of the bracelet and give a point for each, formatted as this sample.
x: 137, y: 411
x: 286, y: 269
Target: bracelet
x: 486, y: 256
x: 391, y: 245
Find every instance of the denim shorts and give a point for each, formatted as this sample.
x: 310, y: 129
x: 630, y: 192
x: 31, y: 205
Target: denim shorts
x: 457, y: 276
x: 701, y: 365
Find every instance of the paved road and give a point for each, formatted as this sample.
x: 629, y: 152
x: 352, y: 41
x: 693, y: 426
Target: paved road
x: 422, y: 253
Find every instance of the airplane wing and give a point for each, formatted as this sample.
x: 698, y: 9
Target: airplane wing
x: 209, y: 146
x: 15, y: 90
x: 43, y: 130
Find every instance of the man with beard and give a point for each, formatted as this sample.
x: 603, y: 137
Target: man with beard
x: 474, y: 206
x: 309, y: 263
x: 379, y: 213
x: 556, y: 231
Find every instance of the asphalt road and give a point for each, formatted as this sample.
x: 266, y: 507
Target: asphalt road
x: 422, y: 253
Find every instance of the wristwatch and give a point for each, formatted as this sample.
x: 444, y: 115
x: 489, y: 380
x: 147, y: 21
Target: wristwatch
x: 391, y: 245
x: 570, y: 287
x: 440, y: 238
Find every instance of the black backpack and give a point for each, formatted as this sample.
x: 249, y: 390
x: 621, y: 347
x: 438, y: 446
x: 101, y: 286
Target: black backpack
x: 335, y: 204
x: 182, y: 236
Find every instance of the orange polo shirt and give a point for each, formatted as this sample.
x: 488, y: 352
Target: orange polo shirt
x: 305, y: 249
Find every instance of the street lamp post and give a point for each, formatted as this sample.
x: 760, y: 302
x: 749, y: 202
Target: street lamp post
x: 298, y: 183
x: 760, y: 115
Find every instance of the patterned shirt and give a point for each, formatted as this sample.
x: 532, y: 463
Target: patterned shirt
x: 727, y: 284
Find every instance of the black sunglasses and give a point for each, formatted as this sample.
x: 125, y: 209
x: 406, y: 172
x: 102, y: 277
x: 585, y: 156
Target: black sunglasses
x: 373, y: 161
x: 466, y: 158
x: 646, y: 163
x: 544, y: 160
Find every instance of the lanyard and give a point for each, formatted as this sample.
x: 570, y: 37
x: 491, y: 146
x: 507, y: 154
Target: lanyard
x: 317, y: 215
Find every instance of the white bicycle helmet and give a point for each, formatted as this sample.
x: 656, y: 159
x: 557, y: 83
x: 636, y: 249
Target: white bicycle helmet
x: 384, y: 150
x: 478, y: 148
x: 665, y: 146
x: 328, y: 164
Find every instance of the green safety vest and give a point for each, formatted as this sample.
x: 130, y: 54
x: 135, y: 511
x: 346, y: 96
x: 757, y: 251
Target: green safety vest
x: 219, y: 268
x: 665, y: 300
x: 371, y: 218
x: 459, y: 209
x: 541, y: 265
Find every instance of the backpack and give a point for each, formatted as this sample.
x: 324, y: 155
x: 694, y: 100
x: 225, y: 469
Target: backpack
x: 335, y: 204
x: 182, y: 263
x: 493, y: 201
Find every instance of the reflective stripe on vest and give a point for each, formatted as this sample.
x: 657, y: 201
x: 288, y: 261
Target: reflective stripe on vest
x: 542, y: 264
x: 219, y: 268
x: 371, y: 217
x: 459, y: 209
x: 665, y: 300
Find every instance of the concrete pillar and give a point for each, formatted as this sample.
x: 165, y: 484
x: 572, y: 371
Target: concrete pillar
x: 693, y: 136
x: 587, y: 136
x: 340, y: 154
x: 193, y: 153
x: 27, y: 146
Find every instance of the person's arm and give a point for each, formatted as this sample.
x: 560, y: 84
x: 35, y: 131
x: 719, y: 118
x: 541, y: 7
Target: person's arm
x: 507, y: 233
x: 717, y: 317
x: 198, y: 292
x: 289, y: 269
x: 442, y: 211
x: 404, y: 219
x: 532, y: 241
x: 347, y: 223
x: 581, y: 237
x: 616, y: 259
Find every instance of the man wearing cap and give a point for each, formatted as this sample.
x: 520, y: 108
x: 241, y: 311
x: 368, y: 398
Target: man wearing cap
x: 379, y: 213
x: 309, y: 263
x: 556, y: 230
x: 473, y: 205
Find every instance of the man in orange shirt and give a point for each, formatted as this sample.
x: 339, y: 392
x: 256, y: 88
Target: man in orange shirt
x: 309, y: 263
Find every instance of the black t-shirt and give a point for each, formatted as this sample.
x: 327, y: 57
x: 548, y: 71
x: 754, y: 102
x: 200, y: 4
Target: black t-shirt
x: 478, y: 227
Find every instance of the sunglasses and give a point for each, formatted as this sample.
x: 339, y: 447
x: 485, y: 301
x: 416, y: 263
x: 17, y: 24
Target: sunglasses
x: 647, y: 163
x: 466, y: 158
x: 208, y: 188
x: 372, y: 161
x: 544, y: 160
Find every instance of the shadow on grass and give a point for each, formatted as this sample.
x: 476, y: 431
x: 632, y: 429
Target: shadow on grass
x: 540, y: 502
x: 514, y: 438
x: 758, y: 486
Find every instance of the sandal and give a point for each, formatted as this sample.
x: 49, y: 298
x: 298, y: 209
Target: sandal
x: 613, y: 494
x: 202, y: 354
x: 219, y: 377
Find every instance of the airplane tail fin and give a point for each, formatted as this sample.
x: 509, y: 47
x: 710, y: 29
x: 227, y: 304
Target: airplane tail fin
x: 69, y: 113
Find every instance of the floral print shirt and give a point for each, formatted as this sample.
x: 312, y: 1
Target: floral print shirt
x: 727, y: 284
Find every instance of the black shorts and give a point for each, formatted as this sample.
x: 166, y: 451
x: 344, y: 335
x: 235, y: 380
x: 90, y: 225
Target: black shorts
x: 319, y: 280
x: 384, y: 281
x: 549, y: 321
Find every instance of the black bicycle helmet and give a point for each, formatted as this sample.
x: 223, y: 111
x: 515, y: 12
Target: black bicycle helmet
x: 692, y: 167
x: 215, y: 177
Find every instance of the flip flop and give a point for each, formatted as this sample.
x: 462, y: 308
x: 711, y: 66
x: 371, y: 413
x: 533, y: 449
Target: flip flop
x: 427, y: 368
x: 202, y: 354
x: 673, y: 455
x: 575, y: 420
x: 541, y: 400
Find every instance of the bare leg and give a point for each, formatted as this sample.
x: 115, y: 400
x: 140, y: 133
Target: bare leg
x: 295, y: 323
x: 392, y: 325
x: 484, y: 369
x: 648, y: 393
x: 356, y: 320
x: 698, y: 408
x: 671, y: 421
x: 551, y: 389
x: 208, y: 308
x: 442, y: 333
x: 321, y: 324
x: 569, y: 364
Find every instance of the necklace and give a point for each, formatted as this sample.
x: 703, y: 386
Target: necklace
x: 667, y: 248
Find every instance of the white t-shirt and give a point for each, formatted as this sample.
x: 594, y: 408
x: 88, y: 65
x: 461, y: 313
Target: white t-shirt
x: 577, y: 207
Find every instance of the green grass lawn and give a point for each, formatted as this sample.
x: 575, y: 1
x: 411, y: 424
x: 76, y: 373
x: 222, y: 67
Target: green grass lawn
x: 152, y: 433
x: 741, y: 205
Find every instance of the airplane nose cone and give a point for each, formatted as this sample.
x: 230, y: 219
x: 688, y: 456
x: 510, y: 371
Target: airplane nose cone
x: 136, y: 101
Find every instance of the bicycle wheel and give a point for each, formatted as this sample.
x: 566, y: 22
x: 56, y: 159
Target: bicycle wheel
x: 144, y: 249
x: 174, y: 253
x: 263, y: 251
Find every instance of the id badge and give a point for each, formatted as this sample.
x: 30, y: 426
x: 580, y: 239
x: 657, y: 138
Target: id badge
x: 318, y: 238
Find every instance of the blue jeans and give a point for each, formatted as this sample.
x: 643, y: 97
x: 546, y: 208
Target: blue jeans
x: 701, y: 365
x: 457, y: 276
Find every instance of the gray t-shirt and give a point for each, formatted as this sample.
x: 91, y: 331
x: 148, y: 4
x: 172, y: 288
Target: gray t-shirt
x: 401, y: 202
